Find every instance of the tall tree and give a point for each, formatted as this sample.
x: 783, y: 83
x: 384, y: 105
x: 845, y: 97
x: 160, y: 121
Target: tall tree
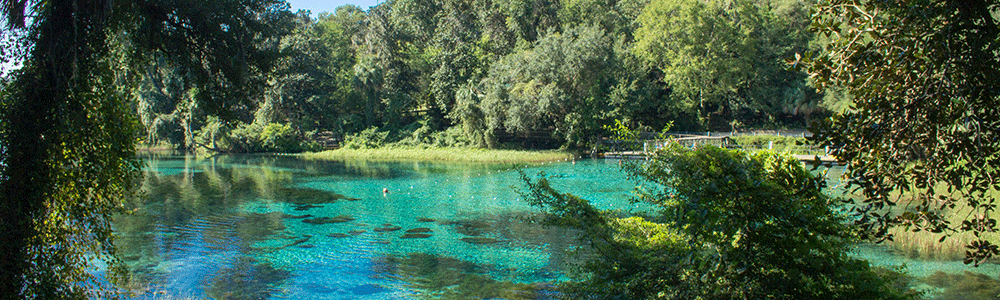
x: 223, y: 51
x: 562, y: 82
x: 68, y: 129
x: 921, y: 139
x: 69, y: 160
x: 724, y: 59
x: 703, y: 50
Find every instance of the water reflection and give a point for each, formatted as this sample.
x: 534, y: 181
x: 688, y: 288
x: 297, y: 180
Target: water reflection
x: 279, y: 227
x: 436, y: 277
x: 287, y: 228
x: 246, y: 278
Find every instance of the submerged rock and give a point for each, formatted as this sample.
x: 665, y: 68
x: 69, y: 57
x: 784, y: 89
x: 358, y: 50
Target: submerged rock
x: 480, y: 240
x: 415, y: 236
x: 419, y: 230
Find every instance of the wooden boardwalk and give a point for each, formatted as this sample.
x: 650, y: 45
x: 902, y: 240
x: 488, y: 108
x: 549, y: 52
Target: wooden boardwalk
x: 649, y: 146
x: 806, y: 159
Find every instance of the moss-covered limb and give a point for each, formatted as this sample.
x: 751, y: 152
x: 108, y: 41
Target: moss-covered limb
x: 469, y: 155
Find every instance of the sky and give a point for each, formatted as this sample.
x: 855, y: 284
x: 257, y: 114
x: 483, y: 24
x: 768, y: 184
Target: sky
x: 318, y: 6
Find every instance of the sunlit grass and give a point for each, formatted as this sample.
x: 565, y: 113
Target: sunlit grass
x: 467, y: 155
x: 928, y: 245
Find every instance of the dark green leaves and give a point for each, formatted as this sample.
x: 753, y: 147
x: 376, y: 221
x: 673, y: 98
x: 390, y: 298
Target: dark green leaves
x: 733, y: 225
x: 924, y: 124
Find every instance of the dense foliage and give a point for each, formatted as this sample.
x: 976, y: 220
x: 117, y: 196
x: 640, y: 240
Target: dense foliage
x: 252, y: 76
x: 68, y: 127
x: 730, y: 225
x: 503, y: 73
x: 921, y: 137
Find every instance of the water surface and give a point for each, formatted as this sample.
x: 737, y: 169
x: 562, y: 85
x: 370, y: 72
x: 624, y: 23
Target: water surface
x: 257, y: 227
x: 280, y: 227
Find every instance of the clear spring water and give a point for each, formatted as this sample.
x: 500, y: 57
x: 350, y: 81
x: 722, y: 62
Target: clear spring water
x: 279, y: 227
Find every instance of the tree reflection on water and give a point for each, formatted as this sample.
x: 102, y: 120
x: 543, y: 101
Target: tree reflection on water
x: 246, y: 278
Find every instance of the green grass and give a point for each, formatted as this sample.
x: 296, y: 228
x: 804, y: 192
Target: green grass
x: 463, y: 155
x: 927, y: 245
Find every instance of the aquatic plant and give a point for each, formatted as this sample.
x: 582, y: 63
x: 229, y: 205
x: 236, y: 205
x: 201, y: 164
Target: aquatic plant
x: 438, y: 277
x: 419, y: 230
x: 965, y: 286
x: 387, y: 228
x: 328, y: 220
x: 246, y: 278
x: 470, y: 227
x: 415, y: 236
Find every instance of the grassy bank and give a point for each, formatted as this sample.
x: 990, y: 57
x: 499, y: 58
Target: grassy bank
x: 466, y: 155
x: 926, y: 244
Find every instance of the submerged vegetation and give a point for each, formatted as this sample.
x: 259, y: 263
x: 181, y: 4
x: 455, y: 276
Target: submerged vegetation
x: 439, y: 277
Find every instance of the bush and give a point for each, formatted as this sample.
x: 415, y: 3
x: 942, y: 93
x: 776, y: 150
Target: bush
x: 366, y: 139
x: 416, y: 135
x: 733, y: 225
x: 275, y: 137
x: 271, y: 137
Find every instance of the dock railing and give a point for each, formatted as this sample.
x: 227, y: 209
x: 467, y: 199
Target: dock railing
x: 650, y: 142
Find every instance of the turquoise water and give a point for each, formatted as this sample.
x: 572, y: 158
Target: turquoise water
x: 279, y: 227
x: 256, y: 227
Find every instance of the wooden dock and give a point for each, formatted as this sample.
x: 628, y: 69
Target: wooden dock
x: 806, y: 159
x: 823, y: 160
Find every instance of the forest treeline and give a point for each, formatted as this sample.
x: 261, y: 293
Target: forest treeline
x: 489, y: 73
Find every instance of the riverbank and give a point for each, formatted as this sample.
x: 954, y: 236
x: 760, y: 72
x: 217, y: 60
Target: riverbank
x: 461, y: 155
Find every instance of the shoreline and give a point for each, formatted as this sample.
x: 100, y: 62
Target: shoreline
x: 458, y: 155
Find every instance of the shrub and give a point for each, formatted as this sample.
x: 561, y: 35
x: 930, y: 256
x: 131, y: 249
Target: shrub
x: 366, y: 139
x: 733, y: 225
x: 271, y: 137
